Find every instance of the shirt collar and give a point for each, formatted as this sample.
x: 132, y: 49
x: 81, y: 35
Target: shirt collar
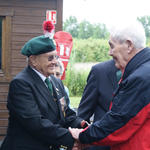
x: 40, y: 74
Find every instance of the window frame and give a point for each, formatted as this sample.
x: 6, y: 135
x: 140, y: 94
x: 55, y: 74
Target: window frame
x: 5, y: 73
x: 1, y: 18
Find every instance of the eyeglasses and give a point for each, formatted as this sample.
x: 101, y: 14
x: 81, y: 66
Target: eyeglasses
x: 52, y: 57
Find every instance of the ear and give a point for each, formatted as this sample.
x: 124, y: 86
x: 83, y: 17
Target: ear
x: 130, y: 46
x: 33, y: 60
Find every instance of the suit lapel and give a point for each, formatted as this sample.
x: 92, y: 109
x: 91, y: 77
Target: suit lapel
x: 58, y: 95
x: 42, y: 89
x: 112, y: 77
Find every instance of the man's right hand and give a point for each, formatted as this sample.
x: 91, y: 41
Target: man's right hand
x: 75, y: 132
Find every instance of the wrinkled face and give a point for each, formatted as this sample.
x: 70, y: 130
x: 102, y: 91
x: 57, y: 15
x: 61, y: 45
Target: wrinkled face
x: 45, y: 63
x: 119, y: 52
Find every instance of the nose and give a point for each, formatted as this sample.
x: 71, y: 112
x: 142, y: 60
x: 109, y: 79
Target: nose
x: 54, y: 61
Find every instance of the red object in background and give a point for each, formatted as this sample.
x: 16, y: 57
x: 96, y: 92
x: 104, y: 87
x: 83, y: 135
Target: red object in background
x: 51, y: 15
x: 64, y: 45
x: 48, y: 26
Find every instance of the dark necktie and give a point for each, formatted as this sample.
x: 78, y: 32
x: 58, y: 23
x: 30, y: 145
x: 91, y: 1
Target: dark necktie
x: 118, y: 74
x: 49, y: 85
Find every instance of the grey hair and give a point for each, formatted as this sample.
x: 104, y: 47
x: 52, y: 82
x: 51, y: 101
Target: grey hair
x: 133, y: 31
x: 60, y: 64
x: 27, y: 60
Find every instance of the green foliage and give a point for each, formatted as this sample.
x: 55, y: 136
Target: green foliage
x: 71, y: 26
x: 100, y: 31
x: 90, y: 50
x: 74, y: 102
x: 145, y: 20
x: 75, y: 80
x: 84, y: 50
x: 84, y: 29
x: 148, y: 42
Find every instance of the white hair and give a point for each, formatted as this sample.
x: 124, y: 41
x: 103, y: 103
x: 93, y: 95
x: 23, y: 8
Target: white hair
x: 131, y: 30
x: 60, y: 64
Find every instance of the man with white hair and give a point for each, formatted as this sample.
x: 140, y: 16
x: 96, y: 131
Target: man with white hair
x: 127, y: 125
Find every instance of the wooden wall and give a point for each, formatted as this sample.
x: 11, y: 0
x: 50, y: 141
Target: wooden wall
x: 27, y: 17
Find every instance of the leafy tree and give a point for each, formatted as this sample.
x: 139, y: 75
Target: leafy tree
x: 71, y: 26
x: 100, y: 31
x: 90, y: 50
x: 145, y: 20
x: 85, y: 29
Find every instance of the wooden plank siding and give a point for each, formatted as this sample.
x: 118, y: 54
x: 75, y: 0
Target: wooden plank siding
x: 27, y: 17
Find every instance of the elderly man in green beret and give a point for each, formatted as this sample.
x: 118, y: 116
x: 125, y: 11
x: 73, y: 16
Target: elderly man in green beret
x: 37, y: 120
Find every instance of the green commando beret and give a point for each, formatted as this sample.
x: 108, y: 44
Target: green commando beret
x: 38, y: 45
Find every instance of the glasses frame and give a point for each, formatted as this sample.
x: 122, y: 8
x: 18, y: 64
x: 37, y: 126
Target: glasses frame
x: 52, y: 57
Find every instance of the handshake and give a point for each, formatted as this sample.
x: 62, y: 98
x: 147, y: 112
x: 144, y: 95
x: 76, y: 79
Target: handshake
x: 75, y: 134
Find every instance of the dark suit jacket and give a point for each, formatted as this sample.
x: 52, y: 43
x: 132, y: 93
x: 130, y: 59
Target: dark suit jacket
x: 98, y: 92
x: 36, y: 121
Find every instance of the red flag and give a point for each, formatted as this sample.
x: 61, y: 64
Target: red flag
x: 64, y: 45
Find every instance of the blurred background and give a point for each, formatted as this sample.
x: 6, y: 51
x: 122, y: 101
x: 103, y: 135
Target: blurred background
x: 88, y: 22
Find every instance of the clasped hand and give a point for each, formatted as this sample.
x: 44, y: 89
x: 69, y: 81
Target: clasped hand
x: 75, y: 134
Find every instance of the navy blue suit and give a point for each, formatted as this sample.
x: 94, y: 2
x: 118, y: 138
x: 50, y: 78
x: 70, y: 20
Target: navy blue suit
x: 98, y: 93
